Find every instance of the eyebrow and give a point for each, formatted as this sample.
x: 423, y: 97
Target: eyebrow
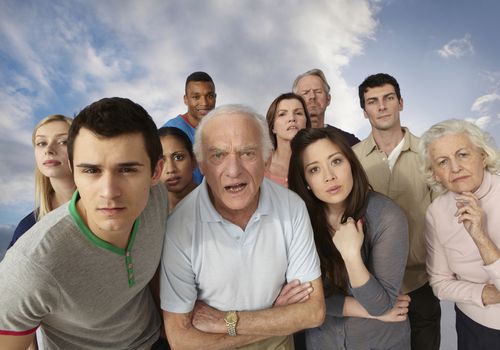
x: 376, y: 97
x: 120, y: 165
x: 329, y: 157
x: 57, y: 135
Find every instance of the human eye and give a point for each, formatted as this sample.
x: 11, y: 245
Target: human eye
x: 63, y: 142
x: 442, y: 162
x: 313, y: 169
x: 90, y: 170
x: 463, y: 155
x: 390, y: 97
x: 41, y: 144
x: 281, y: 113
x: 248, y: 154
x: 195, y: 97
x: 218, y: 156
x: 127, y: 170
x: 318, y: 91
x: 337, y: 161
x: 370, y: 102
x: 178, y: 157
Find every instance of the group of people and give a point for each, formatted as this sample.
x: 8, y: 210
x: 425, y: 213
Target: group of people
x: 241, y: 231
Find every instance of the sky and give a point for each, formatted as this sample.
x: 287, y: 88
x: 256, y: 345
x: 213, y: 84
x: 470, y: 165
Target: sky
x: 57, y: 56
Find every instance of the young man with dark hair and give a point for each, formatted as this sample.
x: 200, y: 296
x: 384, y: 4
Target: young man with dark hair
x: 389, y: 156
x: 82, y: 273
x: 200, y: 98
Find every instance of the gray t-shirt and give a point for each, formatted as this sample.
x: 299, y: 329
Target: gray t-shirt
x: 384, y: 253
x: 84, y: 292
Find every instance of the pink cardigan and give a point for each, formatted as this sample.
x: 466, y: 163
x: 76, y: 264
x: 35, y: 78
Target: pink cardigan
x: 454, y: 265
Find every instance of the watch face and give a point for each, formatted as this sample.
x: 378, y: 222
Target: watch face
x: 231, y: 317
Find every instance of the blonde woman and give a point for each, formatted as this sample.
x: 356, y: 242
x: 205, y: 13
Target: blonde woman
x: 53, y: 179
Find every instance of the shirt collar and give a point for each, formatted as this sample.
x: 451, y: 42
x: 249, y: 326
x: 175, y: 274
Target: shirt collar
x: 410, y: 143
x: 485, y: 186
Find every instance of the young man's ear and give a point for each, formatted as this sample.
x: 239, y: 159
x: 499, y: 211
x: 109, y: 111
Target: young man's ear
x: 401, y: 104
x: 157, y: 172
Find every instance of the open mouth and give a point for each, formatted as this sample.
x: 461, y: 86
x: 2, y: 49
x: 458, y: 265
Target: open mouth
x: 235, y: 188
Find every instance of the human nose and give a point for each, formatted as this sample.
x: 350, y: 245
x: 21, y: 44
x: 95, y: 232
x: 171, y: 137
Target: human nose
x: 329, y: 174
x: 50, y: 149
x: 455, y: 165
x: 233, y: 165
x: 381, y: 105
x: 109, y: 186
x: 310, y: 95
x: 170, y: 167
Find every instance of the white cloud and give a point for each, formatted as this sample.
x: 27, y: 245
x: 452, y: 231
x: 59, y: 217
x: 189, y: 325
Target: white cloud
x: 483, y: 122
x: 62, y: 56
x: 483, y: 103
x: 457, y: 48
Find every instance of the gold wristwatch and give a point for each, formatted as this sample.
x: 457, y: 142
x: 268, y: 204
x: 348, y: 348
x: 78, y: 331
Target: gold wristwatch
x: 231, y: 319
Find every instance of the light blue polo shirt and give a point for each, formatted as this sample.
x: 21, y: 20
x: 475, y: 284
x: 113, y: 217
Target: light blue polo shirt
x: 208, y: 258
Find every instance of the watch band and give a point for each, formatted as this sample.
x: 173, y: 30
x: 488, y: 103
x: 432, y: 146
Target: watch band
x: 231, y: 319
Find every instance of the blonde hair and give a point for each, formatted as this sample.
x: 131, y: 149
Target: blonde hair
x: 479, y: 138
x: 43, y: 188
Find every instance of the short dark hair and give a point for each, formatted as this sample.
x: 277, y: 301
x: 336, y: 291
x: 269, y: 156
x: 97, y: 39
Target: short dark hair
x: 331, y: 262
x: 271, y: 113
x: 377, y: 80
x: 180, y: 135
x: 198, y: 76
x: 115, y: 116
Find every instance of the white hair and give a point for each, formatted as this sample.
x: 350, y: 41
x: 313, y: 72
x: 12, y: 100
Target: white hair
x: 479, y: 138
x: 230, y: 110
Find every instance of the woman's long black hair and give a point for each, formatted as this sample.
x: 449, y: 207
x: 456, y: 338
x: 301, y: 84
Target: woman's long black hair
x: 332, y: 265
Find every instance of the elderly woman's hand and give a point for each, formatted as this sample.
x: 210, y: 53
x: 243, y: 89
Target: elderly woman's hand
x: 470, y: 214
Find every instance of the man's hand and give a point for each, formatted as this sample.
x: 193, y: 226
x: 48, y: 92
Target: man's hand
x: 399, y: 312
x: 207, y: 319
x: 294, y: 292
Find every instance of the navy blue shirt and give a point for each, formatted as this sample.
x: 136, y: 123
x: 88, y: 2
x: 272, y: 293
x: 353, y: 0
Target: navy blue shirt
x: 24, y: 225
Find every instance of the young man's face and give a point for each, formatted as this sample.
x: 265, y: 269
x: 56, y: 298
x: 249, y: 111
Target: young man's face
x: 200, y: 99
x: 382, y: 107
x: 113, y: 177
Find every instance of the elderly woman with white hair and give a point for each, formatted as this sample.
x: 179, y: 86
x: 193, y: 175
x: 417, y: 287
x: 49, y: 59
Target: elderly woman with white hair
x: 463, y: 235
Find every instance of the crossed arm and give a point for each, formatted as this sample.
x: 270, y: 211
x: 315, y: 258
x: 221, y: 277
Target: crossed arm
x: 204, y: 327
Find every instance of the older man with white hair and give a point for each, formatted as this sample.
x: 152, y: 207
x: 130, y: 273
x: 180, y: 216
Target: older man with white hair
x: 234, y: 242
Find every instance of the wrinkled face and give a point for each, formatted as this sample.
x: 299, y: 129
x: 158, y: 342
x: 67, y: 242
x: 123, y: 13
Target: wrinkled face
x: 233, y: 164
x: 200, y: 99
x: 113, y: 177
x: 457, y: 164
x: 327, y: 172
x: 178, y: 169
x: 382, y: 107
x: 51, y: 153
x: 289, y: 119
x: 317, y: 98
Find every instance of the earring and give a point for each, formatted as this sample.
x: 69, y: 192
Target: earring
x: 309, y: 188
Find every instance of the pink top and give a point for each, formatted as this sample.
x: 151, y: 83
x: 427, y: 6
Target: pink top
x: 283, y: 181
x: 456, y: 269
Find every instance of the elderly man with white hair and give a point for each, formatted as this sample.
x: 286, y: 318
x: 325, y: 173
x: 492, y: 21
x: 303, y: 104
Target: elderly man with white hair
x: 234, y: 242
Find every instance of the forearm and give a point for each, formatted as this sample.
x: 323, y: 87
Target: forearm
x: 352, y: 308
x: 487, y: 248
x: 182, y: 334
x: 282, y: 320
x: 357, y: 271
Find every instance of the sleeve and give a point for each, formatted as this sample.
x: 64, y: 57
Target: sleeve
x: 178, y: 291
x: 335, y: 305
x: 386, y: 260
x: 303, y: 261
x: 442, y: 279
x: 493, y: 270
x: 24, y: 225
x: 28, y: 294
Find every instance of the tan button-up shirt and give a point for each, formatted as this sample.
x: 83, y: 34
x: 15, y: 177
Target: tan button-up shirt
x: 406, y: 186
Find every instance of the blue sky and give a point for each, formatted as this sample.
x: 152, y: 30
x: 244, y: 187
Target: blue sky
x: 58, y: 56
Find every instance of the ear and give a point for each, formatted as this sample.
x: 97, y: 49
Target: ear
x: 185, y: 100
x: 483, y: 155
x: 365, y: 114
x: 401, y: 104
x: 157, y: 172
x: 328, y: 99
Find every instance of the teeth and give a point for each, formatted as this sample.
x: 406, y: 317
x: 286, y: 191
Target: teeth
x: 235, y: 188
